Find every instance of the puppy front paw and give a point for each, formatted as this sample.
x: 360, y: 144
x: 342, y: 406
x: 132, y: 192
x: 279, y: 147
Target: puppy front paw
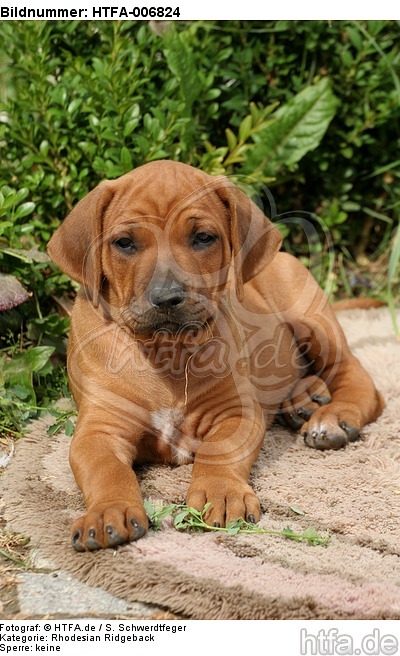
x: 332, y: 427
x: 229, y: 500
x: 109, y: 525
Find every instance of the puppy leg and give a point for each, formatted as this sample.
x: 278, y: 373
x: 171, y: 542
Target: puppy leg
x: 308, y: 395
x: 101, y: 458
x: 221, y: 471
x: 355, y: 401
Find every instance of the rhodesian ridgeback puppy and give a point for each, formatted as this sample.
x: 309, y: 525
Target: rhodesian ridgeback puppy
x: 189, y: 335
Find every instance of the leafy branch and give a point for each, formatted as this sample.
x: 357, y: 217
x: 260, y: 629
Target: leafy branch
x: 186, y: 518
x: 63, y: 421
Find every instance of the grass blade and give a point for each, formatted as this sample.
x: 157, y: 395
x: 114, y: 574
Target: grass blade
x: 392, y: 270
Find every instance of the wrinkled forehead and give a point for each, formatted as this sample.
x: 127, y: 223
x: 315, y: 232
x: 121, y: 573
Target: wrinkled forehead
x: 166, y: 194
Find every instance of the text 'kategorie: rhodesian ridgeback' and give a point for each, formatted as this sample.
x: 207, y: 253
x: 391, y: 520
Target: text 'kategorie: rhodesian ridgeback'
x: 189, y: 335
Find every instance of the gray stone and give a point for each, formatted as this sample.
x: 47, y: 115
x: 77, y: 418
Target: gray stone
x: 61, y: 594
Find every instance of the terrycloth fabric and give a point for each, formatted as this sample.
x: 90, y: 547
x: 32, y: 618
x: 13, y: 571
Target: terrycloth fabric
x: 354, y: 494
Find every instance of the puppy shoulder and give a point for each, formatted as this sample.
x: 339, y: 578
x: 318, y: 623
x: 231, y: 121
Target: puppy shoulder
x: 284, y: 269
x: 286, y: 284
x: 84, y: 316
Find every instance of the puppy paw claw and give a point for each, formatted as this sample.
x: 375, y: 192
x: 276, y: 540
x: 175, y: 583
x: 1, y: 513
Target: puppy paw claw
x: 76, y: 542
x: 352, y: 433
x: 138, y: 532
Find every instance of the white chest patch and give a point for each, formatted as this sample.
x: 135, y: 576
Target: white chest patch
x: 168, y: 421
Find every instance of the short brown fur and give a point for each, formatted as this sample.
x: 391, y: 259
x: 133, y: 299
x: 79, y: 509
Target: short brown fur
x: 189, y: 335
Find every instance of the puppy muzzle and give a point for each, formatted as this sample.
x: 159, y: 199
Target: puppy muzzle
x: 170, y: 309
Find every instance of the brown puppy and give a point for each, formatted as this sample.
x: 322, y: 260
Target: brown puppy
x: 189, y: 334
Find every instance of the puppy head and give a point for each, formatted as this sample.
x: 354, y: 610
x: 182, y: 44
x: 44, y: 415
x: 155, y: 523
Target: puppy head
x: 156, y: 246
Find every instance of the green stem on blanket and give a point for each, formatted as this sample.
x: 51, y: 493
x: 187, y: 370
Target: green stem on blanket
x: 17, y: 561
x: 187, y: 518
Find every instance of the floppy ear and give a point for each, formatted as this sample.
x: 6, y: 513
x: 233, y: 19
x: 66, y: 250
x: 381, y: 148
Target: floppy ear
x: 254, y: 239
x: 76, y: 246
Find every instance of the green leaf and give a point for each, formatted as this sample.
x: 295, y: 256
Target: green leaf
x: 36, y: 358
x: 74, y: 105
x: 59, y: 95
x: 179, y: 519
x: 197, y: 514
x: 235, y: 527
x: 99, y: 67
x: 297, y: 511
x: 21, y: 392
x: 225, y: 54
x: 126, y: 159
x: 254, y: 112
x: 18, y: 371
x: 211, y: 94
x: 157, y: 514
x: 165, y: 511
x: 44, y: 147
x: 393, y: 268
x: 231, y: 139
x: 18, y: 381
x: 355, y: 37
x: 24, y: 210
x: 69, y: 428
x: 245, y: 128
x: 130, y: 126
x: 377, y: 215
x: 133, y: 112
x: 289, y: 532
x: 203, y: 512
x: 30, y: 360
x: 313, y: 538
x: 54, y: 428
x: 298, y: 128
x: 53, y: 325
x: 394, y: 256
x: 351, y: 206
x: 21, y: 195
x: 149, y: 508
x: 347, y: 58
x: 310, y: 533
x: 4, y: 225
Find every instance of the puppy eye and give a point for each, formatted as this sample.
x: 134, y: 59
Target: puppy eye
x: 203, y: 239
x: 125, y: 244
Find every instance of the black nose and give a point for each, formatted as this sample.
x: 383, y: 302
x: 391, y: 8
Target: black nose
x: 166, y: 298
